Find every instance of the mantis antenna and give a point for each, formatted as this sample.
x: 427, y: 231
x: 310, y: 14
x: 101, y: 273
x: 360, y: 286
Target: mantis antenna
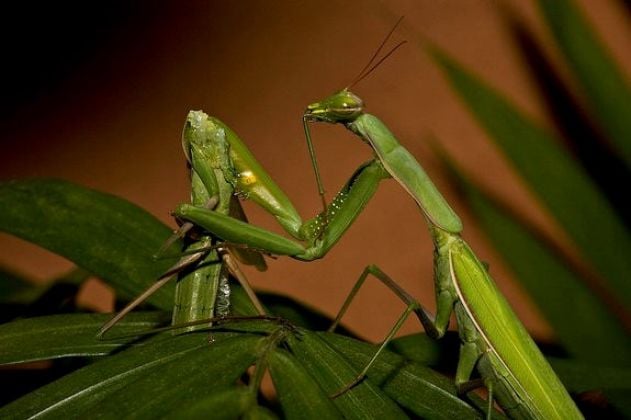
x: 369, y: 67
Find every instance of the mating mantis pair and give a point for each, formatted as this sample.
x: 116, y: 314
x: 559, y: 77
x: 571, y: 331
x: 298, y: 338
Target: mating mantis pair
x: 493, y: 340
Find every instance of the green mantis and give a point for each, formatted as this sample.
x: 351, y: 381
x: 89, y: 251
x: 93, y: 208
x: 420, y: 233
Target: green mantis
x: 493, y: 339
x: 202, y: 291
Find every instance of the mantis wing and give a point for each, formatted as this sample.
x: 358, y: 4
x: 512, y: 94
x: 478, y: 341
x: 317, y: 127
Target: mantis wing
x: 528, y: 373
x: 403, y: 167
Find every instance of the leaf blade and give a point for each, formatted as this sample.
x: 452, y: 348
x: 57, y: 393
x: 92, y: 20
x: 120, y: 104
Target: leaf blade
x: 89, y: 389
x: 299, y: 395
x: 56, y: 336
x: 332, y: 373
x: 609, y: 96
x: 106, y: 235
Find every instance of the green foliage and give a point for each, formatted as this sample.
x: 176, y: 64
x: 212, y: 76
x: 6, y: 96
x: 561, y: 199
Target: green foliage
x: 209, y: 371
x: 73, y: 225
x: 163, y: 374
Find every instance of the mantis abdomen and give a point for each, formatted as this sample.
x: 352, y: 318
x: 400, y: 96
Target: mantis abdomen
x: 506, y: 357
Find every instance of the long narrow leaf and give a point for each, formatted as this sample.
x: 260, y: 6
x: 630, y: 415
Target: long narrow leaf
x: 421, y: 348
x: 299, y: 395
x: 160, y: 370
x: 180, y: 383
x: 550, y: 172
x: 228, y: 404
x: 581, y: 377
x: 332, y: 372
x: 588, y: 142
x: 59, y: 297
x: 105, y: 235
x: 615, y: 383
x: 55, y: 336
x: 604, y: 85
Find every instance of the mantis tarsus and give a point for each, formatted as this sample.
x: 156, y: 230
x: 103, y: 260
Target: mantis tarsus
x: 493, y: 339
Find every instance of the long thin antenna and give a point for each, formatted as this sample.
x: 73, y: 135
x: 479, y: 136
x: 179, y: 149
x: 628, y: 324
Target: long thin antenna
x: 361, y: 74
x: 396, y: 47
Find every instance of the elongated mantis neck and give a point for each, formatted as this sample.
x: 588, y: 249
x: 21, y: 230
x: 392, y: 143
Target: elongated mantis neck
x: 406, y: 170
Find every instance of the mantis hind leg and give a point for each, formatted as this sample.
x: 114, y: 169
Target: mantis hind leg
x: 434, y: 326
x: 469, y: 357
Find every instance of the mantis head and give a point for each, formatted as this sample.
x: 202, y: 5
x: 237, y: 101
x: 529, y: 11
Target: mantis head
x: 344, y: 106
x: 341, y: 107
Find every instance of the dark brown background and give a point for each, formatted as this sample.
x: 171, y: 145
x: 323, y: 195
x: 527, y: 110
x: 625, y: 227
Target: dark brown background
x: 98, y: 94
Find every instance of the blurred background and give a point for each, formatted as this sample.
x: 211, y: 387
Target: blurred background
x: 97, y: 92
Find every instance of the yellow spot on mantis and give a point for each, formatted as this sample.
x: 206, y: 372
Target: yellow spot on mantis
x: 247, y: 178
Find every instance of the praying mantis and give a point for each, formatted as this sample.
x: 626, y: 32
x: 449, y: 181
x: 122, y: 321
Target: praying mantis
x: 202, y: 291
x: 493, y: 340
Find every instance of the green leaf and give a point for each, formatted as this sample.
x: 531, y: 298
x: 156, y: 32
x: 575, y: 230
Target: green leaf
x: 300, y: 314
x: 297, y: 313
x: 608, y: 94
x: 300, y: 396
x: 550, y: 172
x: 419, y: 389
x: 257, y: 412
x: 581, y: 377
x: 182, y: 382
x: 615, y: 383
x: 105, y: 235
x: 55, y: 336
x: 146, y: 381
x: 587, y: 142
x: 577, y: 316
x: 228, y: 404
x: 240, y: 303
x: 332, y: 373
